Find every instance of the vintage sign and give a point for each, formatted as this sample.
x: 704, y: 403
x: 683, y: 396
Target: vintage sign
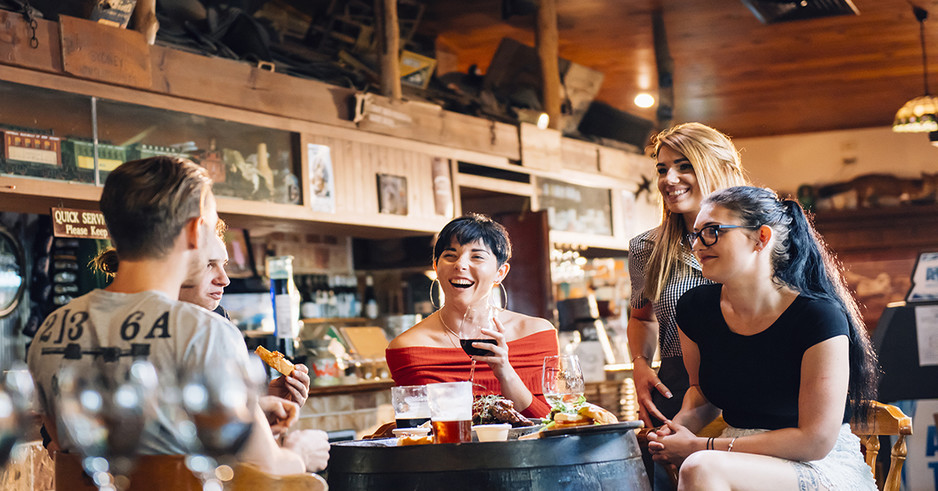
x: 32, y: 148
x: 80, y: 224
x: 93, y: 51
x: 369, y: 109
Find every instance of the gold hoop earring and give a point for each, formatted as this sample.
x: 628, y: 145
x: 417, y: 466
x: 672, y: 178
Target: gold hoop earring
x: 503, y: 293
x: 436, y: 281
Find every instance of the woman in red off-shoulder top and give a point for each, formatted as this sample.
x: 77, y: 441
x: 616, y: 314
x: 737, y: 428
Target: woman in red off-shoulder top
x: 470, y: 257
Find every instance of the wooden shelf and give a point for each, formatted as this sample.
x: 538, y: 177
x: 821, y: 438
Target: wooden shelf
x: 351, y: 388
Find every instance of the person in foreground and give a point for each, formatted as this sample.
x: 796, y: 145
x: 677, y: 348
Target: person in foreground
x: 778, y: 346
x: 470, y: 257
x: 204, y: 287
x: 161, y: 215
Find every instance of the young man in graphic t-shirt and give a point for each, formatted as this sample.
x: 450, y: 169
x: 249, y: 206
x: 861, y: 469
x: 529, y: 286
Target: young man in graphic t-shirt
x: 161, y: 214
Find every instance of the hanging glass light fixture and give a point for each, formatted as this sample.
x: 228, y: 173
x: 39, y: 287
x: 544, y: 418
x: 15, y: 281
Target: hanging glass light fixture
x: 920, y: 114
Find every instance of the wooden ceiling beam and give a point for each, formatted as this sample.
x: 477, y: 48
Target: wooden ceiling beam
x: 546, y: 40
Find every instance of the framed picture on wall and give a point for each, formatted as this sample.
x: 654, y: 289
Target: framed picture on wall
x: 322, y: 183
x: 240, y: 255
x: 392, y: 194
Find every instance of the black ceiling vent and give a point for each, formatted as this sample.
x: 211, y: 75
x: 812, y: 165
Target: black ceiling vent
x: 771, y: 11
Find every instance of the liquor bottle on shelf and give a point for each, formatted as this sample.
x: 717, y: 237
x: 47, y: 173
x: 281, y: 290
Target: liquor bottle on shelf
x: 286, y: 300
x: 370, y: 301
x: 321, y: 295
x: 332, y: 304
x: 354, y: 298
x: 309, y: 308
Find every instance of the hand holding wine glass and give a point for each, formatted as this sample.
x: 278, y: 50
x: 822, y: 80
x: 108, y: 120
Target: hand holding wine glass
x: 478, y: 316
x: 562, y: 379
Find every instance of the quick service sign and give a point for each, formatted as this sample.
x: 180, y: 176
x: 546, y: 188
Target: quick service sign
x: 80, y: 224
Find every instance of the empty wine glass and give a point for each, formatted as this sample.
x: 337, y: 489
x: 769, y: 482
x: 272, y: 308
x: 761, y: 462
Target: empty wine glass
x: 221, y: 405
x: 103, y: 414
x: 16, y: 401
x: 562, y: 380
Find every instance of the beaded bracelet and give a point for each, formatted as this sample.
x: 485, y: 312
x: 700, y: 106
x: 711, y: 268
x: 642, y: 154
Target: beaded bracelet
x: 730, y: 449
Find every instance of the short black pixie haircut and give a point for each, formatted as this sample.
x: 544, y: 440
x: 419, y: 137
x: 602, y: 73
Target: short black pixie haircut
x: 470, y: 228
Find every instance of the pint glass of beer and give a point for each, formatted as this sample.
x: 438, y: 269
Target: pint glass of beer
x: 451, y: 411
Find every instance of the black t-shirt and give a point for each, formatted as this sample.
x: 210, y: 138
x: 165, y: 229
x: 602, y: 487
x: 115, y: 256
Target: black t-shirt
x: 755, y: 379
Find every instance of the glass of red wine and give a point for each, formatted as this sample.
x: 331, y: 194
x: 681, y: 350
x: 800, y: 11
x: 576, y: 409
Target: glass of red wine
x: 478, y: 316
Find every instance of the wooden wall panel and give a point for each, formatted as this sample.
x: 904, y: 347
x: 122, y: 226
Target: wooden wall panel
x: 579, y: 155
x: 356, y: 165
x: 878, y: 248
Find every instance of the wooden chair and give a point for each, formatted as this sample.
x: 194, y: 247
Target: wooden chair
x: 885, y: 419
x: 162, y: 472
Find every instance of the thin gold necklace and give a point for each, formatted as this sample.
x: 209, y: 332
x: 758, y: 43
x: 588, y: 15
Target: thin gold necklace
x: 448, y: 330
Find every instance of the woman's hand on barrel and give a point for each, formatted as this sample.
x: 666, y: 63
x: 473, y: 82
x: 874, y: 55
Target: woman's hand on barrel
x: 646, y: 380
x: 673, y: 442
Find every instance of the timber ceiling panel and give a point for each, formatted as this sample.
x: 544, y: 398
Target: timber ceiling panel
x: 730, y: 70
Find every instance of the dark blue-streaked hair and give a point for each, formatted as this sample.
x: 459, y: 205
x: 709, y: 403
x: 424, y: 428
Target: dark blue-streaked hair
x: 802, y: 262
x: 470, y: 228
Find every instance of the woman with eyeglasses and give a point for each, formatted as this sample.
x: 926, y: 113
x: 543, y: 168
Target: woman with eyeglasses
x: 777, y: 344
x: 692, y: 160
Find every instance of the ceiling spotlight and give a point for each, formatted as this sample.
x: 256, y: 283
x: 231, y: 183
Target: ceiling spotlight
x: 644, y: 100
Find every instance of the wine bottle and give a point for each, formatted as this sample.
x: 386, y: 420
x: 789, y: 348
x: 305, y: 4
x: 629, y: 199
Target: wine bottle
x: 286, y: 303
x: 370, y: 302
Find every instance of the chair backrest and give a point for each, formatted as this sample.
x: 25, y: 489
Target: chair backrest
x: 151, y: 473
x: 162, y: 472
x: 885, y: 419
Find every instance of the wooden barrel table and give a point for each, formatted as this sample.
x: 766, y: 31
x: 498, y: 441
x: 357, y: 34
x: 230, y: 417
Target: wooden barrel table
x: 591, y: 458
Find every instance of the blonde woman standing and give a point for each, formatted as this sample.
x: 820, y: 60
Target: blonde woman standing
x: 692, y: 160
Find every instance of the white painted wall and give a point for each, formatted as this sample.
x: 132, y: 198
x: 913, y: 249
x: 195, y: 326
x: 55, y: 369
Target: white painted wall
x: 785, y: 162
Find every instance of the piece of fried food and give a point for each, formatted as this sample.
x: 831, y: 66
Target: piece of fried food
x: 597, y: 414
x: 414, y: 440
x: 587, y: 414
x: 275, y: 359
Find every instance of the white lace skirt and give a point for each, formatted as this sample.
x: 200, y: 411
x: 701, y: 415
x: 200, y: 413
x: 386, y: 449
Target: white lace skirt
x: 842, y: 469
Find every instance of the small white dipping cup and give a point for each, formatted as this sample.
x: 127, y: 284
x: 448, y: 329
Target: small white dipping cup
x: 492, y: 433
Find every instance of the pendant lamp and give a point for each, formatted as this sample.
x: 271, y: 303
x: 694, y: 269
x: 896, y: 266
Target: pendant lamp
x: 920, y: 114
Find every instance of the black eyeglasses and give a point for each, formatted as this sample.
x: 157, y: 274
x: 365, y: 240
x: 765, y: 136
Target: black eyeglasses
x: 710, y: 234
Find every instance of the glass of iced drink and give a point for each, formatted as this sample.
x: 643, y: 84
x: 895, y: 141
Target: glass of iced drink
x: 410, y: 405
x: 451, y: 411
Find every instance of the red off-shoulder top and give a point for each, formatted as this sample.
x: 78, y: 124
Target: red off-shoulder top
x: 420, y: 365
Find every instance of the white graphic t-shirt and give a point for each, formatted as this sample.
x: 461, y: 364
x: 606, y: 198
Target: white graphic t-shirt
x: 106, y: 331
